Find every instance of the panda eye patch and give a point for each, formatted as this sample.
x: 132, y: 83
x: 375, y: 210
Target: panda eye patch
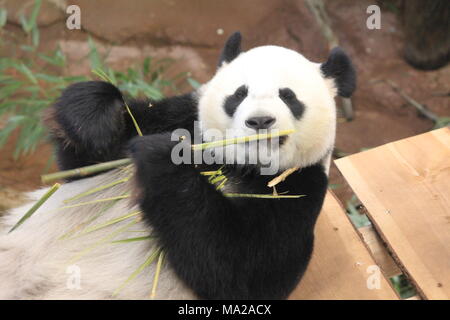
x: 287, y: 94
x: 233, y: 101
x: 241, y: 92
x: 290, y: 99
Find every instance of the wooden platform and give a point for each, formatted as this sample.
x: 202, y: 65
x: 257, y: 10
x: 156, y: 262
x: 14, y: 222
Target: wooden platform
x: 340, y: 262
x: 405, y: 187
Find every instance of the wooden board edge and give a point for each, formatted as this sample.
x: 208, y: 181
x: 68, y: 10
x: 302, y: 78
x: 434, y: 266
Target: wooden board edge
x: 365, y: 245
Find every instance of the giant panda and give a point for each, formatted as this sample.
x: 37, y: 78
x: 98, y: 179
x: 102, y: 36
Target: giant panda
x: 215, y: 247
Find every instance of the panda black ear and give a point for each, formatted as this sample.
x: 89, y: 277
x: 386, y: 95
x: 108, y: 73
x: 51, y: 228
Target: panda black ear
x: 340, y: 68
x: 231, y: 49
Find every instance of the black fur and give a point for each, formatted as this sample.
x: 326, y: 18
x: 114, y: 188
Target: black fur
x: 231, y: 49
x: 339, y: 67
x: 233, y: 101
x: 228, y: 248
x: 290, y: 99
x: 96, y: 125
x: 221, y: 247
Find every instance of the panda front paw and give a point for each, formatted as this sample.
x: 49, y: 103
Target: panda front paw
x: 152, y: 155
x: 89, y: 116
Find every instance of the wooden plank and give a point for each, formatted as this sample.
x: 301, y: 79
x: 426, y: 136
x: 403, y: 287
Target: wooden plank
x: 405, y: 186
x: 338, y: 268
x: 379, y: 251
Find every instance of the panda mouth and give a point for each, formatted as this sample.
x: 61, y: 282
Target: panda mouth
x: 280, y: 140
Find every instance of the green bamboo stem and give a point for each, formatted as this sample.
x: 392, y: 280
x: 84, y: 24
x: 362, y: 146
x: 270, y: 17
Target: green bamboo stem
x: 85, y: 223
x: 36, y: 206
x: 157, y: 273
x: 222, y: 143
x: 102, y: 241
x: 97, y: 189
x: 263, y: 196
x: 100, y: 73
x: 133, y: 239
x: 94, y: 202
x: 146, y: 263
x: 84, y: 171
x: 138, y: 129
x: 111, y: 222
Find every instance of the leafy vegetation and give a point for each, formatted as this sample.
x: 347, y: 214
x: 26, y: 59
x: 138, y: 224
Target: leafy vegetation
x: 402, y: 285
x: 30, y: 80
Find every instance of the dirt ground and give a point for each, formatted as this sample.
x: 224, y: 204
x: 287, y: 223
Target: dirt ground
x: 193, y: 35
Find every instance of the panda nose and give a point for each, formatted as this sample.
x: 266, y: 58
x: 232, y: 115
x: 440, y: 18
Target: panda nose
x: 258, y: 123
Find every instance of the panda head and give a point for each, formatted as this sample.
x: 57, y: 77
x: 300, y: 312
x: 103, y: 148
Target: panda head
x: 274, y: 88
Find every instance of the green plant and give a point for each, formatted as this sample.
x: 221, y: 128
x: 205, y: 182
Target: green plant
x: 402, y: 285
x: 358, y: 219
x: 30, y: 80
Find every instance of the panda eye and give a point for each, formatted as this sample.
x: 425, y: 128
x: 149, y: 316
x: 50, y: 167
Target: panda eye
x: 233, y: 101
x: 241, y: 92
x: 290, y: 99
x: 287, y: 94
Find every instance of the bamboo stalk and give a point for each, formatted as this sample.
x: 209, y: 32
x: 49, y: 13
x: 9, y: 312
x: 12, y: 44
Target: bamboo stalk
x: 102, y: 241
x: 146, y: 263
x: 138, y: 129
x: 36, y: 206
x: 133, y: 239
x: 157, y: 272
x: 111, y: 222
x: 222, y: 143
x: 96, y: 168
x: 94, y: 202
x: 97, y: 189
x: 282, y: 177
x: 84, y: 171
x: 263, y: 196
x: 100, y: 73
x: 85, y: 223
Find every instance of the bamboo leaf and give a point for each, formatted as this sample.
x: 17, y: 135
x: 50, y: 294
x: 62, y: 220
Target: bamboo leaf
x: 35, y: 36
x: 36, y: 206
x: 34, y: 14
x: 95, y: 201
x: 194, y: 84
x: 133, y: 239
x: 97, y: 189
x: 94, y: 56
x: 3, y: 17
x: 102, y: 241
x: 146, y: 263
x: 88, y: 221
x: 112, y: 221
x: 157, y: 273
x: 262, y: 196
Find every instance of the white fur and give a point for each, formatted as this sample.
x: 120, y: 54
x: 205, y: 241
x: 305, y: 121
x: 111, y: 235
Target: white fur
x: 34, y: 261
x: 265, y: 70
